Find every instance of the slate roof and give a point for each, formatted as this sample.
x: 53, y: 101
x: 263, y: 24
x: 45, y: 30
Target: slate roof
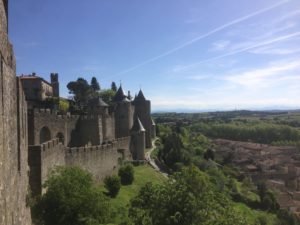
x: 98, y: 101
x: 140, y: 96
x: 153, y: 123
x: 120, y: 95
x: 137, y: 125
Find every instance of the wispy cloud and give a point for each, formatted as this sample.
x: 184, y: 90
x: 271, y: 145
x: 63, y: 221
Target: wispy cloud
x: 200, y: 37
x: 258, y: 78
x: 245, y: 49
x: 271, y: 50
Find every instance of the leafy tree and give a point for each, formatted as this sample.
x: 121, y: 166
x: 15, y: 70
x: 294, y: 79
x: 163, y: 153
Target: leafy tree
x: 72, y: 198
x: 95, y: 84
x: 209, y: 154
x: 81, y: 90
x: 107, y: 95
x: 114, y: 86
x: 64, y: 105
x: 126, y: 174
x: 173, y: 151
x: 113, y: 185
x: 187, y: 198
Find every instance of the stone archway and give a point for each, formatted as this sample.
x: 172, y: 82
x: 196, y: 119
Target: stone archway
x: 45, y: 135
x: 61, y: 137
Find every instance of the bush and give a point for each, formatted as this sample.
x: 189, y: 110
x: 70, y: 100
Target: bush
x: 71, y: 198
x: 126, y: 174
x: 113, y: 185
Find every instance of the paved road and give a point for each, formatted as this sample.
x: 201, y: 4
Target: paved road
x: 151, y: 161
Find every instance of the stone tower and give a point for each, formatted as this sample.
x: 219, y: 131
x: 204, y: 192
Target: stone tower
x: 143, y: 112
x: 137, y: 142
x: 124, y: 112
x: 13, y: 134
x: 98, y: 108
x: 153, y: 129
x: 55, y: 84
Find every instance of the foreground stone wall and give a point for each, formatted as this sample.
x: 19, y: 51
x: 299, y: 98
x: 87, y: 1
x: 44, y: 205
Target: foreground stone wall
x: 13, y: 136
x: 42, y: 159
x: 100, y: 161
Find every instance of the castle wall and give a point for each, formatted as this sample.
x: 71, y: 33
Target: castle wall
x: 42, y: 159
x: 108, y: 125
x: 64, y: 124
x: 101, y: 160
x: 123, y: 119
x: 89, y: 131
x: 13, y: 144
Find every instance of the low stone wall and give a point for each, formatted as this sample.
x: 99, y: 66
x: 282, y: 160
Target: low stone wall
x: 102, y: 160
x: 42, y: 159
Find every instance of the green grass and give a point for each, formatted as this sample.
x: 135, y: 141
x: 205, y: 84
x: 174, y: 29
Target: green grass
x: 142, y: 175
x: 252, y: 215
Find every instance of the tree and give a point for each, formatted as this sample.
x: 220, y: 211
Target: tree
x: 126, y: 173
x: 95, y: 84
x: 187, y: 198
x: 113, y: 185
x: 114, y: 86
x: 81, y: 90
x: 72, y: 198
x: 209, y: 154
x: 107, y: 95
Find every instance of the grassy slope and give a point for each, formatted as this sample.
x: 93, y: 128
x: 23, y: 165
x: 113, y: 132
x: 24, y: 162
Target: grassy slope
x: 143, y: 174
x: 252, y: 215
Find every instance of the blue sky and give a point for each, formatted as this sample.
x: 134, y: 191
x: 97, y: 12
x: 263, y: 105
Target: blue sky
x: 184, y: 54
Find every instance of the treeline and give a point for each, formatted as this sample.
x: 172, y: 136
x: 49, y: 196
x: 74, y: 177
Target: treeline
x: 184, y: 146
x: 258, y: 132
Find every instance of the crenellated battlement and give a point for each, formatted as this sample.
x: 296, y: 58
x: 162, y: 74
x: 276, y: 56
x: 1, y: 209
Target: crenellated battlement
x: 51, y: 114
x: 88, y: 117
x: 49, y: 145
x: 111, y: 146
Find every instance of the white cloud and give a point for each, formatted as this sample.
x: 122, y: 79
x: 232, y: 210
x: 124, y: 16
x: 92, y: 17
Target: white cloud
x: 246, y: 48
x: 271, y: 50
x: 220, y: 45
x: 262, y: 78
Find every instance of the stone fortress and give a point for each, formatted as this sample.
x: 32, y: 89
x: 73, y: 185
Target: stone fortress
x: 33, y: 140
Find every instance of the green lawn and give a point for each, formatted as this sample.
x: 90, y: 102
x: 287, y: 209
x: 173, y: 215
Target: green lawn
x: 142, y: 175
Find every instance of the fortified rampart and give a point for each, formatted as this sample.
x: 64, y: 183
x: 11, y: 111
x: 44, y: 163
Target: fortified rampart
x: 13, y: 135
x: 45, y: 124
x: 100, y: 160
x: 42, y: 159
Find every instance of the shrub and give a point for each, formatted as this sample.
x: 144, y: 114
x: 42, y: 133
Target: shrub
x: 126, y: 174
x: 113, y: 185
x: 71, y: 198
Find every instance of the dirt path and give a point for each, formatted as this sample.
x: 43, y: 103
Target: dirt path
x: 151, y: 161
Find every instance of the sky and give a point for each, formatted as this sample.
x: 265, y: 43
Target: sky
x: 184, y: 54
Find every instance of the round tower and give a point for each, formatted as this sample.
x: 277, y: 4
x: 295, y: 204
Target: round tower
x: 123, y: 114
x: 138, y: 140
x: 143, y: 112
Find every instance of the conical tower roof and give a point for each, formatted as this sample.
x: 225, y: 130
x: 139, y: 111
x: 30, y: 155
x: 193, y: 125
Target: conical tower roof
x: 140, y: 96
x: 137, y: 125
x: 97, y: 101
x: 153, y: 123
x: 120, y: 95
